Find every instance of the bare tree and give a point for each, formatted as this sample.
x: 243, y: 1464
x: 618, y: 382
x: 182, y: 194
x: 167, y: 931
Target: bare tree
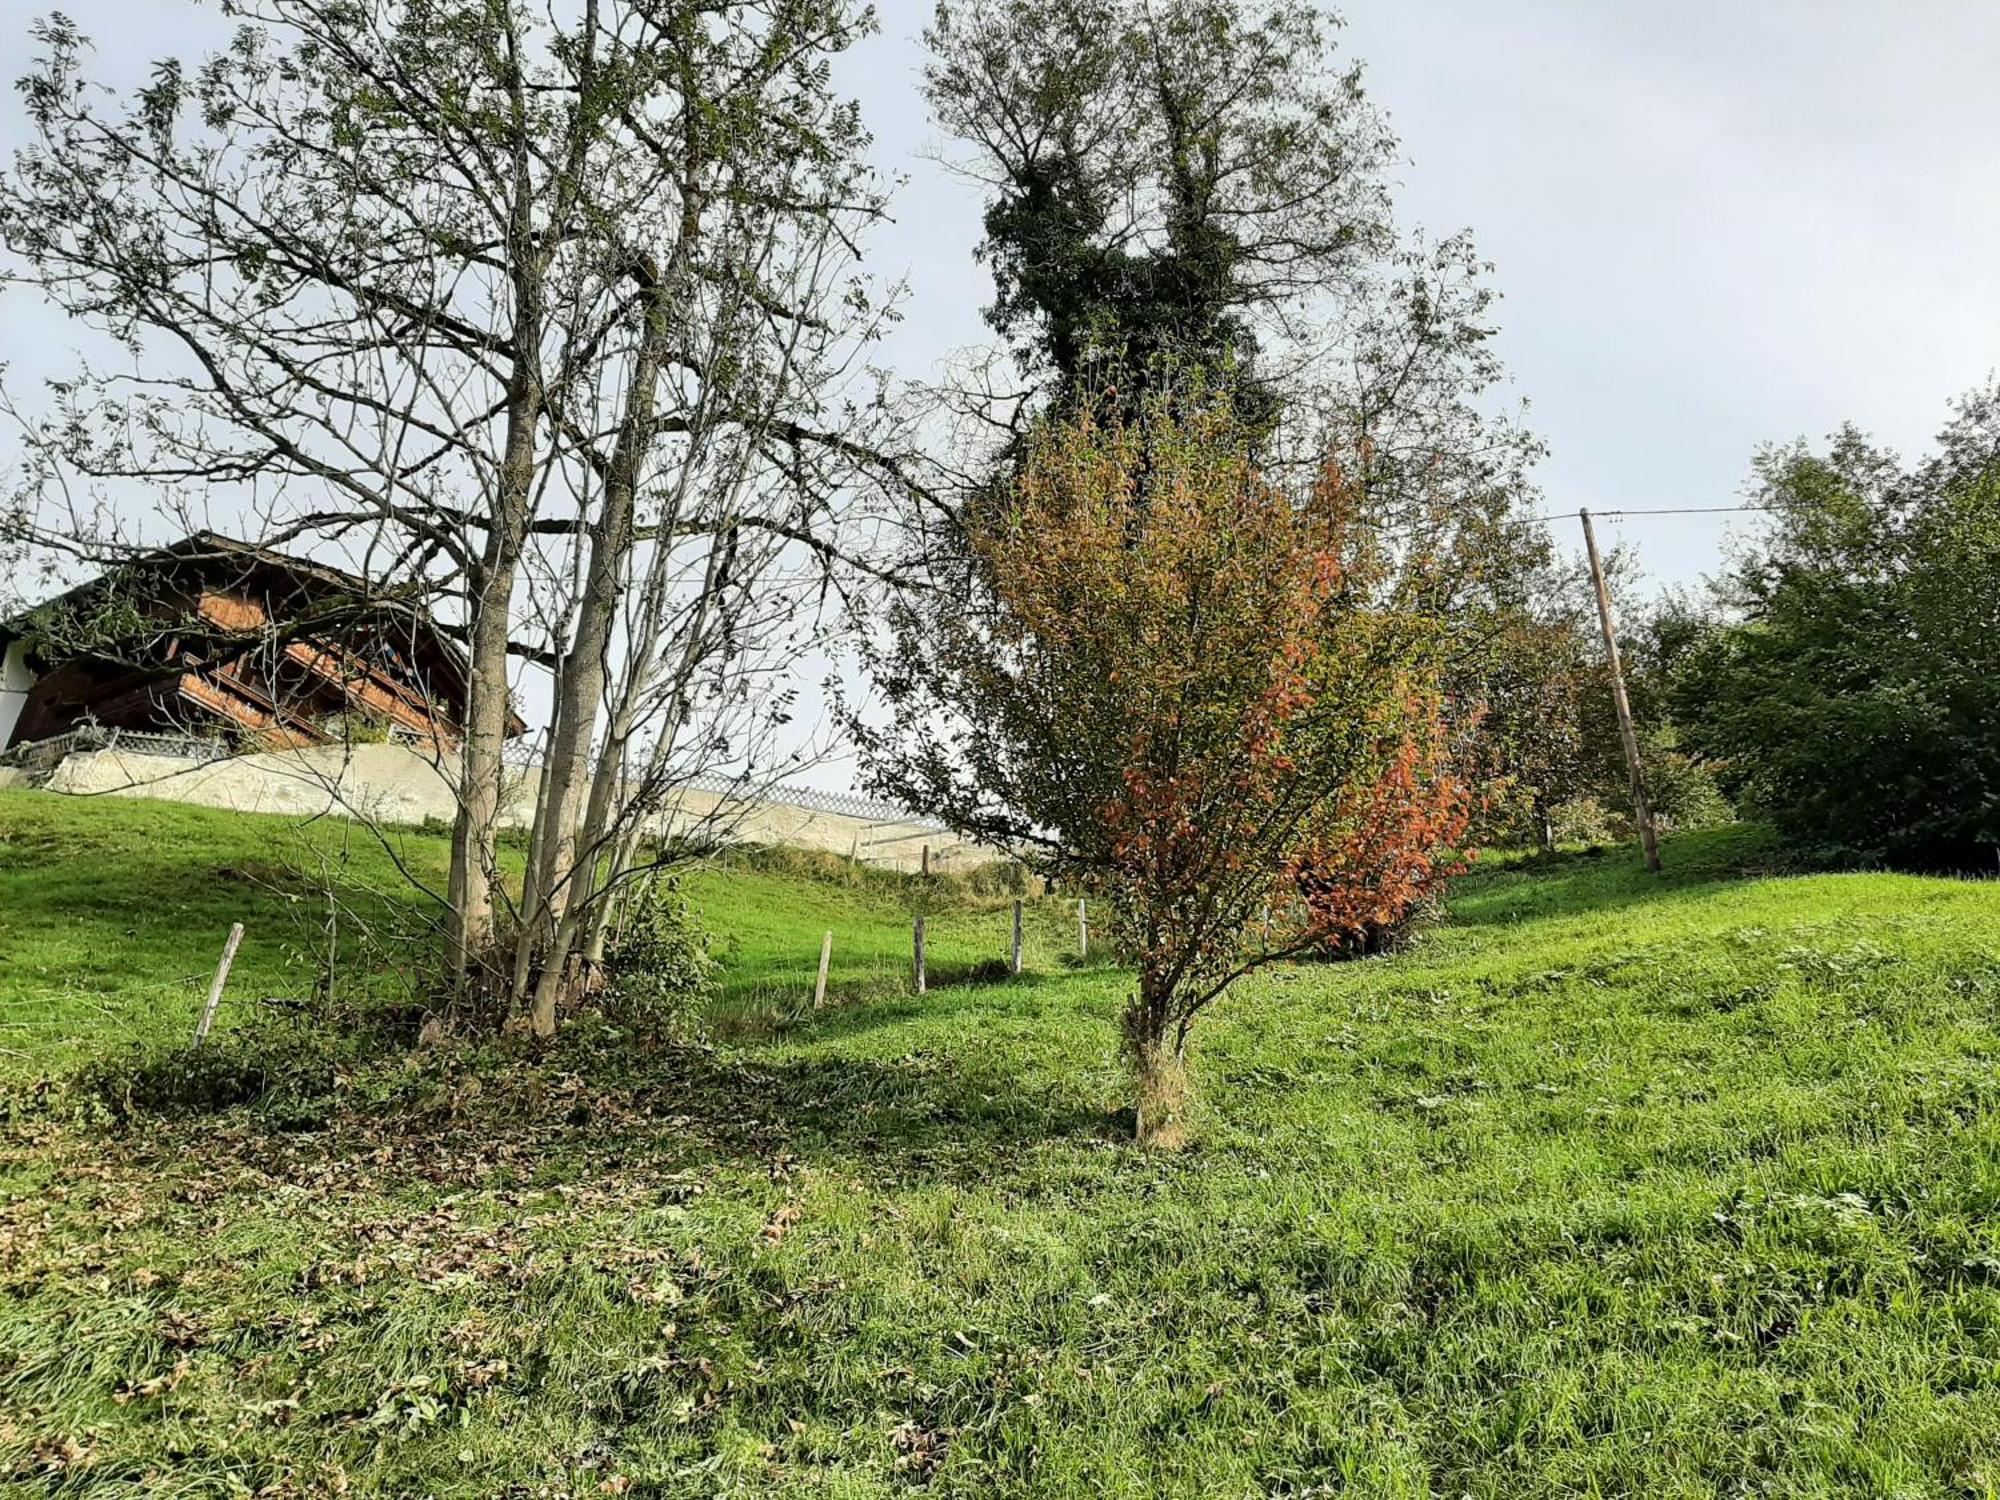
x: 711, y: 470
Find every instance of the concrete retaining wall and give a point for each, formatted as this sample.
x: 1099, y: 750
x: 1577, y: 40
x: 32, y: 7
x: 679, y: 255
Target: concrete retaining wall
x: 392, y: 783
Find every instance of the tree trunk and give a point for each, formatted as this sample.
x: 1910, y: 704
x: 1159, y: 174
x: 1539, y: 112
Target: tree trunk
x: 582, y: 899
x: 585, y: 672
x: 488, y: 705
x: 607, y: 901
x: 479, y: 782
x: 1160, y: 1072
x: 1159, y: 1069
x: 585, y: 675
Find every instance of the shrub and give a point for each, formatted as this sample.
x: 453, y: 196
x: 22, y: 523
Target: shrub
x: 289, y: 1071
x: 1197, y: 689
x: 661, y: 974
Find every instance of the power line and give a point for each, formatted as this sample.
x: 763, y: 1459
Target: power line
x: 1678, y: 510
x: 1406, y: 529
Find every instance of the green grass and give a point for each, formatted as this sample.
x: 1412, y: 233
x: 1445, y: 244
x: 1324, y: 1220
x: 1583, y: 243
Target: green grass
x: 113, y: 914
x: 1615, y: 1186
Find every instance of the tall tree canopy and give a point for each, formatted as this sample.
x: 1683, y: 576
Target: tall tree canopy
x: 1205, y: 184
x: 1208, y: 179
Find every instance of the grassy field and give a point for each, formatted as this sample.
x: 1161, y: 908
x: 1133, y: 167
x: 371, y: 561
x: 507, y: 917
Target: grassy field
x: 113, y: 913
x: 1614, y: 1186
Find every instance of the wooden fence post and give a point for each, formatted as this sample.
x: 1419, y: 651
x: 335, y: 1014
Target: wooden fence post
x: 1082, y: 929
x: 215, y: 988
x: 917, y: 943
x: 825, y: 957
x: 1017, y: 934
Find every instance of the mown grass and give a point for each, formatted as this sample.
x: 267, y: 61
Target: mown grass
x: 1614, y: 1186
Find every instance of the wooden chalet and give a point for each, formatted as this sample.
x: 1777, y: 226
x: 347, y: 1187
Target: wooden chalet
x: 218, y: 639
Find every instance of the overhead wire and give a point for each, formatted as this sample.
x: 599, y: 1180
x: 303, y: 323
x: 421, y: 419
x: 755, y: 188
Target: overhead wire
x: 1672, y: 510
x: 1402, y: 530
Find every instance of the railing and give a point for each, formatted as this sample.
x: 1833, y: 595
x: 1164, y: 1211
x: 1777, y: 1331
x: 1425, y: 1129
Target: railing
x: 844, y: 804
x: 44, y: 756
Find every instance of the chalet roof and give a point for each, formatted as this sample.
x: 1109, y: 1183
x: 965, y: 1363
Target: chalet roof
x: 203, y: 546
x: 212, y: 546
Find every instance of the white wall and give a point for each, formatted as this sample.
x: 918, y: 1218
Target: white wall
x: 15, y: 680
x: 391, y: 783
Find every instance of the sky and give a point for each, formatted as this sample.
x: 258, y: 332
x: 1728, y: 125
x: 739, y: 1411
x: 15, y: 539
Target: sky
x: 1713, y: 223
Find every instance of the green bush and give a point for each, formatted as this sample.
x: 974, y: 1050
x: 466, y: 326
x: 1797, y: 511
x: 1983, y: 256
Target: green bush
x: 1855, y: 698
x: 662, y: 976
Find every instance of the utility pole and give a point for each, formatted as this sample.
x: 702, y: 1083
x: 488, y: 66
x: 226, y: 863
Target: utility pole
x: 1642, y: 806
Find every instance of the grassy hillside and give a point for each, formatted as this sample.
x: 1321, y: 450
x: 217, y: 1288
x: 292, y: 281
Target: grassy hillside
x: 114, y: 911
x: 1615, y: 1186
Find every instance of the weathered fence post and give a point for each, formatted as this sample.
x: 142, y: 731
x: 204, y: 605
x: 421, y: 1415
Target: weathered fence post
x: 215, y: 988
x: 917, y: 938
x: 825, y: 957
x: 1082, y: 929
x: 1017, y: 934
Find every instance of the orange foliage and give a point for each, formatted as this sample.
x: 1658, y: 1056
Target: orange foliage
x: 1395, y: 840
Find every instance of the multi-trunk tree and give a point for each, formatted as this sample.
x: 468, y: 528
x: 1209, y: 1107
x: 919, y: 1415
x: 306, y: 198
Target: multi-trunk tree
x: 541, y: 319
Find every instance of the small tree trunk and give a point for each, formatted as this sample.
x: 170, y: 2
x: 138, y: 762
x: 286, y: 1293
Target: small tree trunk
x: 1159, y: 1069
x: 607, y: 900
x: 488, y: 706
x: 555, y: 977
x: 481, y: 770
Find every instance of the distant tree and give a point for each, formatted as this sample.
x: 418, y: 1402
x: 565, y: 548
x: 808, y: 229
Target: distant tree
x: 1190, y: 688
x: 1523, y: 651
x: 1208, y: 180
x: 1655, y: 638
x: 1526, y: 650
x: 1855, y: 697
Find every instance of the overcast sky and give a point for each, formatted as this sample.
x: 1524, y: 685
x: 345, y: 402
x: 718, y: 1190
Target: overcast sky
x: 1713, y: 222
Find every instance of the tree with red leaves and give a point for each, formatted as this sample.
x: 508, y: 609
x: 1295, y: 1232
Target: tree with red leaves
x: 1197, y: 691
